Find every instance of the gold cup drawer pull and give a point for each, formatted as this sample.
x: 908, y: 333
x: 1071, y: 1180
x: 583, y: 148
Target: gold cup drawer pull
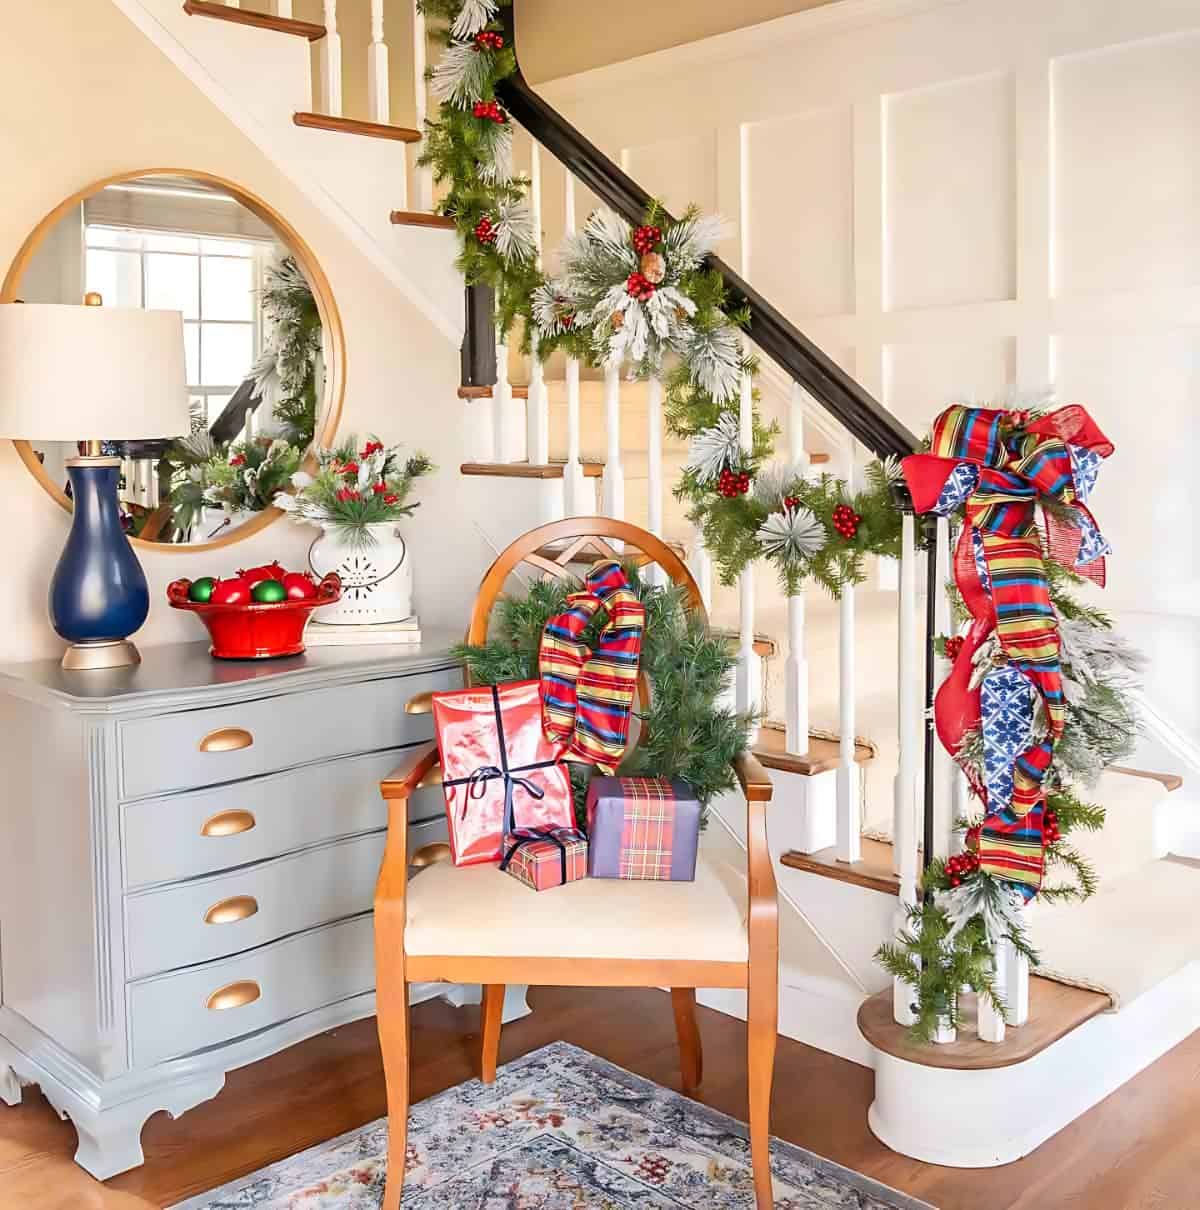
x: 234, y: 995
x: 420, y: 703
x: 226, y: 739
x: 228, y: 823
x: 227, y: 911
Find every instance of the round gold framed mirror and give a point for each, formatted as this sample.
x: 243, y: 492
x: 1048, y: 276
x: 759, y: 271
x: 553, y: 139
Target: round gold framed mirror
x: 263, y: 340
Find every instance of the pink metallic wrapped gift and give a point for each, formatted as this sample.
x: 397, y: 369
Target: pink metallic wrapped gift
x: 499, y: 772
x: 547, y: 857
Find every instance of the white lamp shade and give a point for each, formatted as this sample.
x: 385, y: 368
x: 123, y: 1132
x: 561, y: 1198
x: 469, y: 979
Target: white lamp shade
x: 91, y: 373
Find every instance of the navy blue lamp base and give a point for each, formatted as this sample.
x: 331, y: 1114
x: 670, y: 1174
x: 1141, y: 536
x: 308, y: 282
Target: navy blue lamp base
x: 99, y: 595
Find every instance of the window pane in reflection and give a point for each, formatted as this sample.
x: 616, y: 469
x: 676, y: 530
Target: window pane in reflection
x: 173, y: 283
x: 116, y: 276
x: 226, y: 353
x: 228, y: 287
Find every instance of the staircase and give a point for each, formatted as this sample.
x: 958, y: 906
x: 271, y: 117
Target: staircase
x: 860, y: 792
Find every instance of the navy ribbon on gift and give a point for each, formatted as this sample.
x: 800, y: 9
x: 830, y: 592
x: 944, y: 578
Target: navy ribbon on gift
x: 524, y: 836
x: 475, y: 782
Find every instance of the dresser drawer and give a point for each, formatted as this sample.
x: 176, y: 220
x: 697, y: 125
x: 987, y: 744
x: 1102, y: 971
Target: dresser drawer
x: 211, y: 917
x: 224, y: 743
x: 189, y: 1010
x: 201, y: 832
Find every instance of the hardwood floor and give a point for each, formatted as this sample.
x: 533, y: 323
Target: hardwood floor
x: 1139, y: 1149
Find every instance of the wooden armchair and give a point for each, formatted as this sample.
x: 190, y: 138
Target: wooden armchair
x: 474, y: 925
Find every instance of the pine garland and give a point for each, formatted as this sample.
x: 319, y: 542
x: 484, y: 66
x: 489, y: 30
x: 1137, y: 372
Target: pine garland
x: 684, y: 733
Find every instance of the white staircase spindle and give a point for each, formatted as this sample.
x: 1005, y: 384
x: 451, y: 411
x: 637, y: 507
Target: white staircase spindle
x: 378, y: 100
x: 749, y: 680
x: 904, y: 821
x: 654, y: 456
x: 614, y: 474
x: 795, y: 671
x: 701, y: 567
x: 538, y: 404
x: 331, y: 63
x: 423, y: 175
x: 849, y: 816
x: 575, y: 486
x: 283, y: 8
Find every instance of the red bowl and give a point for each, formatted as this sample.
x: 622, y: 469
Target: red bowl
x: 255, y: 631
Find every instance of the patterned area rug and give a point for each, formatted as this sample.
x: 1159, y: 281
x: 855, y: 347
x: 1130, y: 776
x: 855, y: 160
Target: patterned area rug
x: 560, y: 1129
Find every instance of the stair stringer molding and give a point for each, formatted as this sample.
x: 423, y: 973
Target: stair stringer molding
x: 259, y: 78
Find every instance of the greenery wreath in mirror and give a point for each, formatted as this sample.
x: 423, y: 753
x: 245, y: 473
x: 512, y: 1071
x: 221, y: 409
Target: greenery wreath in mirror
x: 242, y: 476
x: 685, y: 732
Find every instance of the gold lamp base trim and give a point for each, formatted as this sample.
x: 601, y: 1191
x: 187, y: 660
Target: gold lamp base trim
x: 116, y: 653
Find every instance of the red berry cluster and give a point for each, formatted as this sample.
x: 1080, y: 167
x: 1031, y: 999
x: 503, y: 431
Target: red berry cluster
x: 238, y: 460
x: 489, y: 40
x: 372, y: 447
x: 962, y: 865
x: 791, y: 503
x: 733, y: 483
x: 846, y: 521
x: 639, y: 286
x: 491, y: 111
x: 1051, y: 833
x: 954, y: 646
x: 485, y: 232
x: 646, y: 239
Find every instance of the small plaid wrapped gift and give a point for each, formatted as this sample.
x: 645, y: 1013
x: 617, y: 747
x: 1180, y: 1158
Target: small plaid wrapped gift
x: 642, y: 828
x: 545, y: 857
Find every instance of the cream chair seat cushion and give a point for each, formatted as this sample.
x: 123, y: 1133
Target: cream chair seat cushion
x: 478, y: 911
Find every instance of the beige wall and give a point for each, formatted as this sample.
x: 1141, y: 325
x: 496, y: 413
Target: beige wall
x: 562, y: 37
x: 84, y: 95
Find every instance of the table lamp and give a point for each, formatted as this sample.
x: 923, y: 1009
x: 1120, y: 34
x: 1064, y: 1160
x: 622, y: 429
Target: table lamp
x: 86, y: 374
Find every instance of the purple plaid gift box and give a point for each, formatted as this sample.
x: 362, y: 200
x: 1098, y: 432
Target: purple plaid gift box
x: 642, y: 828
x: 545, y: 857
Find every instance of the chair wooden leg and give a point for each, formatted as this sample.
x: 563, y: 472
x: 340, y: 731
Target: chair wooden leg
x: 392, y: 1020
x: 490, y: 1012
x: 762, y: 1026
x: 691, y: 1054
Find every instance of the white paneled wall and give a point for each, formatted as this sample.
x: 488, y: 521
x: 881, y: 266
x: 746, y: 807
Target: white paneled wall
x: 954, y: 195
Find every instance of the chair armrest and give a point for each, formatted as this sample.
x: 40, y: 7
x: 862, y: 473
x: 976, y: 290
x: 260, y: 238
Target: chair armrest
x: 755, y: 783
x: 406, y: 777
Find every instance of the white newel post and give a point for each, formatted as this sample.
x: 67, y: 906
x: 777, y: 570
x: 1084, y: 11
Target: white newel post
x: 331, y: 64
x: 749, y: 678
x: 575, y: 487
x: 945, y: 772
x: 614, y: 475
x: 904, y: 820
x: 423, y: 176
x: 795, y: 671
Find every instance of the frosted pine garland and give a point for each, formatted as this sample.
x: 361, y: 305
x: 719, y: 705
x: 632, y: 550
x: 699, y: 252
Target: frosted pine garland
x: 791, y: 535
x: 475, y: 15
x: 462, y: 74
x: 516, y: 238
x: 715, y: 449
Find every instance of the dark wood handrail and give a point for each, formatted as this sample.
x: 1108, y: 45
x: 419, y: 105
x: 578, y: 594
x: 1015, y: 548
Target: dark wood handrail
x: 844, y: 398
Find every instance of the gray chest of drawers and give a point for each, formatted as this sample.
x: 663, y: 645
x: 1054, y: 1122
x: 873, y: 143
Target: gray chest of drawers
x: 189, y: 858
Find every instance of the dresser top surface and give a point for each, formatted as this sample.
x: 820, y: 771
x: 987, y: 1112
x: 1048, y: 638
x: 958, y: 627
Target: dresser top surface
x: 187, y: 671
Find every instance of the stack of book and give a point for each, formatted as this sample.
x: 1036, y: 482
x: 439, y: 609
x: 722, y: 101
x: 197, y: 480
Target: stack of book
x: 321, y: 634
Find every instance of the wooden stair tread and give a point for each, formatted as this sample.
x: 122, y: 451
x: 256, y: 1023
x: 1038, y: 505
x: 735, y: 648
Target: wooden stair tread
x: 822, y: 754
x: 1054, y: 1011
x: 242, y: 16
x: 420, y: 218
x: 374, y: 130
x: 485, y: 392
x: 1172, y: 781
x: 874, y: 871
x: 527, y: 470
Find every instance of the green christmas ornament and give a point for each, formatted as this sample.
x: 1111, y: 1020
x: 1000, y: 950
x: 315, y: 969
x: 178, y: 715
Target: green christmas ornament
x: 268, y: 592
x: 202, y: 590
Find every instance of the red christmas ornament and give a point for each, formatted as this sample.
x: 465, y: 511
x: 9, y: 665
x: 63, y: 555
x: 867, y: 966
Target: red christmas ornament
x: 639, y: 286
x: 489, y: 40
x: 234, y: 591
x: 646, y: 239
x: 954, y: 646
x: 256, y: 575
x: 299, y: 586
x: 846, y: 521
x: 485, y: 233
